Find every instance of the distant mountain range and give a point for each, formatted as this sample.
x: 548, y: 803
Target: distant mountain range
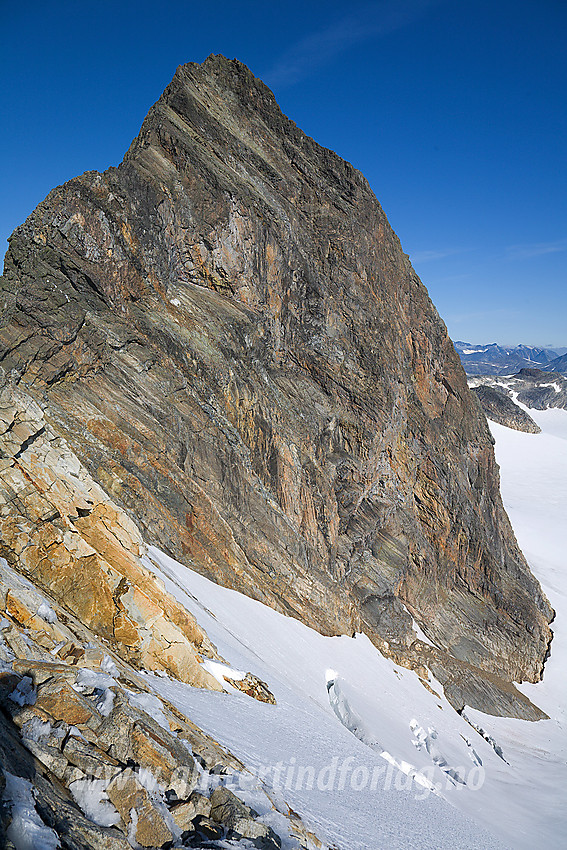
x: 496, y: 359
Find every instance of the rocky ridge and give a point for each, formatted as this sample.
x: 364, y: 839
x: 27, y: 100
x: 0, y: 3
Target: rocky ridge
x: 497, y: 359
x: 499, y: 407
x: 62, y: 533
x: 534, y: 388
x: 558, y: 365
x: 226, y: 333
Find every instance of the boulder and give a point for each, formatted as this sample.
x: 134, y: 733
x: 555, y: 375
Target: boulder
x: 254, y: 687
x: 196, y: 806
x: 128, y: 733
x: 233, y: 814
x: 50, y: 757
x: 208, y: 828
x: 57, y: 699
x: 134, y: 802
x: 89, y: 758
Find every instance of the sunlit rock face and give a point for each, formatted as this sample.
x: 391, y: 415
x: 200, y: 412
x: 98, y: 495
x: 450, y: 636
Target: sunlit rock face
x: 228, y: 334
x: 63, y: 534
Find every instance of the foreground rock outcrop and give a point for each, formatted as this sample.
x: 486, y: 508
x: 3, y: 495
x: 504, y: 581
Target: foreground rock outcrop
x: 228, y: 335
x: 90, y: 757
x: 59, y: 530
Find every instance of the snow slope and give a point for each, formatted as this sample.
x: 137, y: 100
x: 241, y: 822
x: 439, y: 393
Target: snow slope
x: 350, y: 729
x: 303, y: 731
x: 533, y: 469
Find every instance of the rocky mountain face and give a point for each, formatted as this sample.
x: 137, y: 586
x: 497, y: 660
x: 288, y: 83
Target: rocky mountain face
x: 62, y: 532
x: 89, y: 756
x: 229, y: 338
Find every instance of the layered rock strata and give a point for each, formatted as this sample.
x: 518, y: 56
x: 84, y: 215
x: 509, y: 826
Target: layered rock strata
x: 228, y: 334
x: 60, y: 530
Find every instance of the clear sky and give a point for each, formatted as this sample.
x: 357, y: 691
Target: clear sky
x: 455, y: 110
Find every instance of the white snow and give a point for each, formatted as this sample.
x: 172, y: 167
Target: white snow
x: 24, y: 693
x: 555, y: 386
x: 36, y: 729
x: 108, y: 666
x: 419, y: 633
x: 105, y: 702
x: 74, y: 733
x: 57, y: 648
x: 553, y: 423
x: 132, y: 828
x: 353, y: 793
x: 99, y: 681
x: 358, y: 746
x: 222, y: 672
x: 88, y: 679
x: 151, y: 705
x: 91, y: 797
x: 26, y: 831
x: 147, y: 780
x: 534, y: 489
x: 46, y: 613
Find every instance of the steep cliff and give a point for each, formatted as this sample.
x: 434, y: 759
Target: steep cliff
x: 228, y: 334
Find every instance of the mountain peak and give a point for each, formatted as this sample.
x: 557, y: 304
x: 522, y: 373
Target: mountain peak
x: 228, y: 334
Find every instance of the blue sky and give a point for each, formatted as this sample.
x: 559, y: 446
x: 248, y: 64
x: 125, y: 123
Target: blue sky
x: 455, y: 110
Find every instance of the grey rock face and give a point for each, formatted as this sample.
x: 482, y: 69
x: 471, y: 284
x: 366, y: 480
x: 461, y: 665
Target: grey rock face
x: 228, y: 334
x: 500, y: 408
x: 229, y: 811
x: 541, y: 390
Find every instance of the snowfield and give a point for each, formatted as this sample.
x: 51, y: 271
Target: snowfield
x: 357, y: 746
